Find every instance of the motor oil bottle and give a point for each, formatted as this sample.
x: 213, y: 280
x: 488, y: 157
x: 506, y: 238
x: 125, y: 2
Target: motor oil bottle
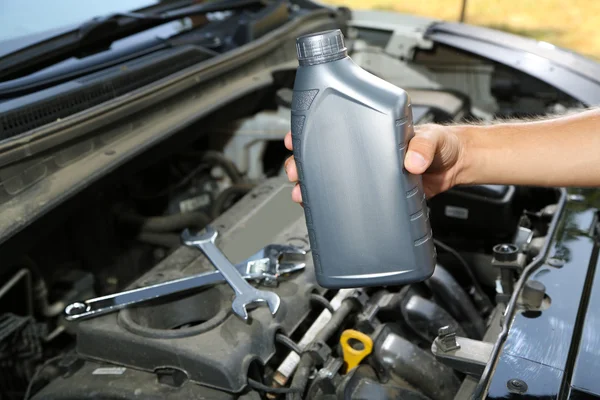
x: 367, y: 218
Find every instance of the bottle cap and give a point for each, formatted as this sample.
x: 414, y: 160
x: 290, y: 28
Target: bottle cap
x: 321, y: 47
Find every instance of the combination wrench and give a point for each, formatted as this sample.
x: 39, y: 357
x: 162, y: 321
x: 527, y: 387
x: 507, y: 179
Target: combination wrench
x: 266, y: 265
x: 245, y: 294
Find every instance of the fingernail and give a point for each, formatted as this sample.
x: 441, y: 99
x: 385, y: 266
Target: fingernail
x: 415, y: 159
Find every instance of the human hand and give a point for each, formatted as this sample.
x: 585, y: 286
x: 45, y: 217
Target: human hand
x: 291, y: 171
x: 436, y: 152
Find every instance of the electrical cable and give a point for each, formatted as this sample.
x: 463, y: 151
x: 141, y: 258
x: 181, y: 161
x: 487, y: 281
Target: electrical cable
x: 220, y: 202
x: 317, y: 298
x: 216, y: 158
x: 482, y: 297
x: 38, y: 371
x: 289, y: 343
x: 219, y: 159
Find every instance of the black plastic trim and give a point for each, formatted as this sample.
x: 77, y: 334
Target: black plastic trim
x: 511, y: 309
x: 51, y: 135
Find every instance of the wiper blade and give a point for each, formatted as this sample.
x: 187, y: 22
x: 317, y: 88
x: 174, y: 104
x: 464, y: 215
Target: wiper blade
x: 99, y: 33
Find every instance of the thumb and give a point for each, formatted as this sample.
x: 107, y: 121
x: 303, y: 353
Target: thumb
x: 420, y: 153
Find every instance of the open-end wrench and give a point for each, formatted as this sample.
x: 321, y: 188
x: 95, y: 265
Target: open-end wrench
x: 266, y: 265
x: 245, y: 294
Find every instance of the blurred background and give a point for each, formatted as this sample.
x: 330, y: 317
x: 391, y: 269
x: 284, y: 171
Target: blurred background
x: 571, y: 24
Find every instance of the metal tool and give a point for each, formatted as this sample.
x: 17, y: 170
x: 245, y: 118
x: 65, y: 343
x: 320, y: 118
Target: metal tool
x: 245, y: 294
x: 267, y: 266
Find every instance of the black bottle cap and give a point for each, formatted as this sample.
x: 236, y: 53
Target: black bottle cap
x: 321, y: 47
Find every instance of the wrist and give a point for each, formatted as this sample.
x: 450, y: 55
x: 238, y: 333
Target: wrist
x: 470, y: 156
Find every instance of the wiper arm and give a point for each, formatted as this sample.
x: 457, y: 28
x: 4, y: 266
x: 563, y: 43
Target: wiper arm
x: 99, y: 33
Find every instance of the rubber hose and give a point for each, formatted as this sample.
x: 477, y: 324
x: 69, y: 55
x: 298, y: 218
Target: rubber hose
x: 289, y: 343
x: 410, y: 363
x: 218, y: 205
x: 426, y: 317
x: 167, y: 223
x: 307, y: 362
x: 168, y: 240
x: 449, y: 292
x: 482, y: 299
x: 217, y: 158
x: 300, y: 380
x: 317, y: 298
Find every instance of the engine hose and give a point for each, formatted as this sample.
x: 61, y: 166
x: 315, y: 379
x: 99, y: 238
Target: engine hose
x: 307, y: 362
x: 220, y: 202
x: 425, y: 317
x: 217, y: 158
x: 317, y: 298
x: 289, y: 343
x: 445, y: 288
x: 300, y: 380
x: 482, y: 299
x: 406, y: 361
x: 168, y: 240
x: 37, y: 290
x: 167, y: 223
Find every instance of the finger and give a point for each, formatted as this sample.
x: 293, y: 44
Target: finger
x: 429, y: 191
x: 420, y: 153
x: 296, y: 194
x: 290, y: 169
x: 288, y: 140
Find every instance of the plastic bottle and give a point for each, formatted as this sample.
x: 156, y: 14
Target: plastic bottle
x: 367, y: 217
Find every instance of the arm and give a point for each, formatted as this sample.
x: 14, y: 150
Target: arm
x: 562, y: 151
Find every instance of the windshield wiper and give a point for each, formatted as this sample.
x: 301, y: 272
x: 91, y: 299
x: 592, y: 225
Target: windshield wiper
x: 98, y: 33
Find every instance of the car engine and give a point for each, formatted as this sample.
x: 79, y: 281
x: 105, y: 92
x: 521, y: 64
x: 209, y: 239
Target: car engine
x: 190, y: 345
x: 123, y: 233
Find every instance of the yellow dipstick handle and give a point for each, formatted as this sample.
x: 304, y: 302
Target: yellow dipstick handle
x: 355, y: 346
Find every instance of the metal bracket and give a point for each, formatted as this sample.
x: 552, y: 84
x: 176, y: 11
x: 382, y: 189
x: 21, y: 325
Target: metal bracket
x: 510, y: 260
x: 523, y: 238
x: 468, y: 356
x: 404, y: 42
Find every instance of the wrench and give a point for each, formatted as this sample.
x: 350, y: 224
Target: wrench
x: 245, y: 294
x: 266, y: 265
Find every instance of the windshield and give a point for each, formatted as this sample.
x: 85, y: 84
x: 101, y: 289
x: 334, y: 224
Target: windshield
x: 19, y: 18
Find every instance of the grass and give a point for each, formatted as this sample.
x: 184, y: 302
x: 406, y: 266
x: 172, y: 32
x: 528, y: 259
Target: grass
x: 571, y: 24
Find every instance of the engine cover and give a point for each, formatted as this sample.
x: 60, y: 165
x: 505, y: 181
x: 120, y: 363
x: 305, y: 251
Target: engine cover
x: 196, y: 332
x: 470, y: 211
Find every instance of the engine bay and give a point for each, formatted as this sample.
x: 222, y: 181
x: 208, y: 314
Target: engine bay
x: 190, y: 345
x: 123, y: 232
